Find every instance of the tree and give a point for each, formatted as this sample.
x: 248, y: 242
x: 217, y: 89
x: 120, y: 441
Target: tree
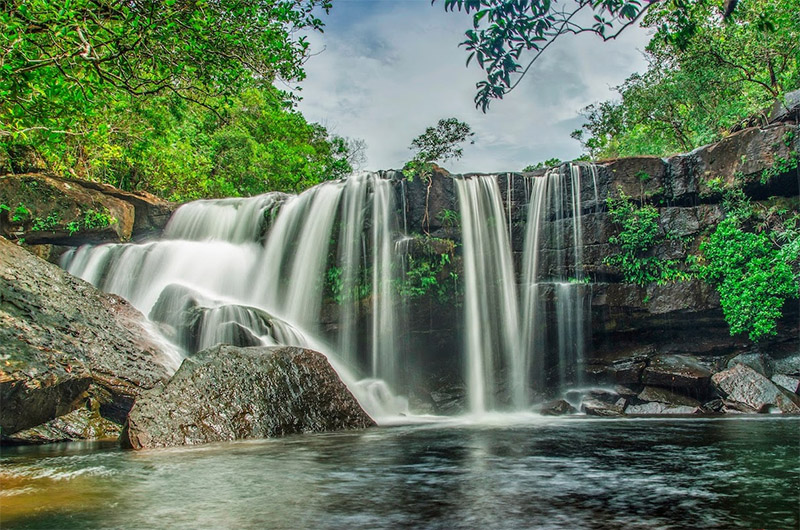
x: 441, y: 142
x: 62, y: 60
x: 503, y: 31
x: 697, y: 90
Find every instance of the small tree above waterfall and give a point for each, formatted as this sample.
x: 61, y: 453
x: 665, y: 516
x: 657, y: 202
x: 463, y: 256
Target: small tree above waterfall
x: 438, y: 144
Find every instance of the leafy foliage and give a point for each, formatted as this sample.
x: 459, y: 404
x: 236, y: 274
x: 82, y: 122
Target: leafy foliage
x: 174, y: 97
x: 62, y: 60
x: 753, y: 260
x: 639, y: 235
x: 504, y: 31
x: 182, y: 151
x: 550, y: 162
x: 752, y: 276
x: 702, y: 85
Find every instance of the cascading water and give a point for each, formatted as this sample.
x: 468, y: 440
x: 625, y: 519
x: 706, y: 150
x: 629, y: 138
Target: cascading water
x: 322, y: 270
x: 555, y: 296
x: 490, y: 294
x: 250, y: 271
x: 515, y: 353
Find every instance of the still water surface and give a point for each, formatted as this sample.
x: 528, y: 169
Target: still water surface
x: 513, y: 473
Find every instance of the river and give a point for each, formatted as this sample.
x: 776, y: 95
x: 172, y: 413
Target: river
x: 502, y: 472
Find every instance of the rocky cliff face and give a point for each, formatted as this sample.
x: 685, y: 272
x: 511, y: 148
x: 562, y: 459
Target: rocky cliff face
x: 632, y: 326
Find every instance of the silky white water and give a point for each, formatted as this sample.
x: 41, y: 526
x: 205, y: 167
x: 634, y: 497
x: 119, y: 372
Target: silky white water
x: 252, y: 271
x: 321, y: 270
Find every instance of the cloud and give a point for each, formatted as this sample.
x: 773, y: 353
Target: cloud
x: 391, y: 69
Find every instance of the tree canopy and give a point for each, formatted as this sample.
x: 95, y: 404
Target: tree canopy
x: 508, y: 37
x: 696, y: 90
x: 175, y: 97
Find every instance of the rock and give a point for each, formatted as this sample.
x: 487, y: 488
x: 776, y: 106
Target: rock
x: 80, y: 424
x: 595, y: 407
x: 48, y: 210
x: 603, y: 403
x: 786, y: 110
x: 59, y: 336
x: 627, y: 371
x: 661, y: 395
x: 195, y: 323
x: 449, y: 399
x: 792, y: 384
x: 558, y: 407
x: 228, y: 393
x: 741, y: 384
x: 676, y: 371
x: 656, y: 408
x: 759, y: 362
x: 787, y: 365
x: 744, y: 155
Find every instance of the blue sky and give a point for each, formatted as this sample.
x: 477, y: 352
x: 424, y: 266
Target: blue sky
x: 384, y: 70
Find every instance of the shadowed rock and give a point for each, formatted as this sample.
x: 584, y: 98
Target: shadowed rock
x: 60, y: 338
x: 229, y: 393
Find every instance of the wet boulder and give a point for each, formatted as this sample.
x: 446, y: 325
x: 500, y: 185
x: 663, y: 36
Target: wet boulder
x: 603, y: 403
x: 195, y: 322
x: 655, y: 401
x: 229, y: 393
x: 743, y: 385
x: 61, y: 339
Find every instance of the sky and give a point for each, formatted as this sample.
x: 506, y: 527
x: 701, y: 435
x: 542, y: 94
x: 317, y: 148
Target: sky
x: 384, y: 70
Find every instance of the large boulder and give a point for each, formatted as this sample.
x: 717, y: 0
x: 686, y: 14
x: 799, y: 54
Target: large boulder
x: 741, y: 384
x: 62, y: 340
x: 229, y: 393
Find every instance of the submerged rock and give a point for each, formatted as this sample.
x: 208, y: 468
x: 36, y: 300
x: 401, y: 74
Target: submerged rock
x: 229, y: 393
x: 743, y: 385
x: 60, y: 338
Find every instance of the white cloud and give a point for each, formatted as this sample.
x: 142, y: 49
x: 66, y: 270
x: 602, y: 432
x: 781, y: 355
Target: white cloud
x: 391, y: 69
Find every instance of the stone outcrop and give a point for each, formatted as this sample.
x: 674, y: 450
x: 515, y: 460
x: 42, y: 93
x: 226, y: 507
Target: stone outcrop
x: 44, y: 210
x: 743, y: 385
x: 64, y: 344
x: 229, y: 393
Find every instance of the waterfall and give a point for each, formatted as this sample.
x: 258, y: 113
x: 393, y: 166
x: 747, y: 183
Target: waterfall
x: 253, y: 271
x: 491, y: 324
x: 554, y: 290
x: 323, y: 270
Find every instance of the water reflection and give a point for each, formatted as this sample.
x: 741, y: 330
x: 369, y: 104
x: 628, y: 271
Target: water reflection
x: 546, y: 474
